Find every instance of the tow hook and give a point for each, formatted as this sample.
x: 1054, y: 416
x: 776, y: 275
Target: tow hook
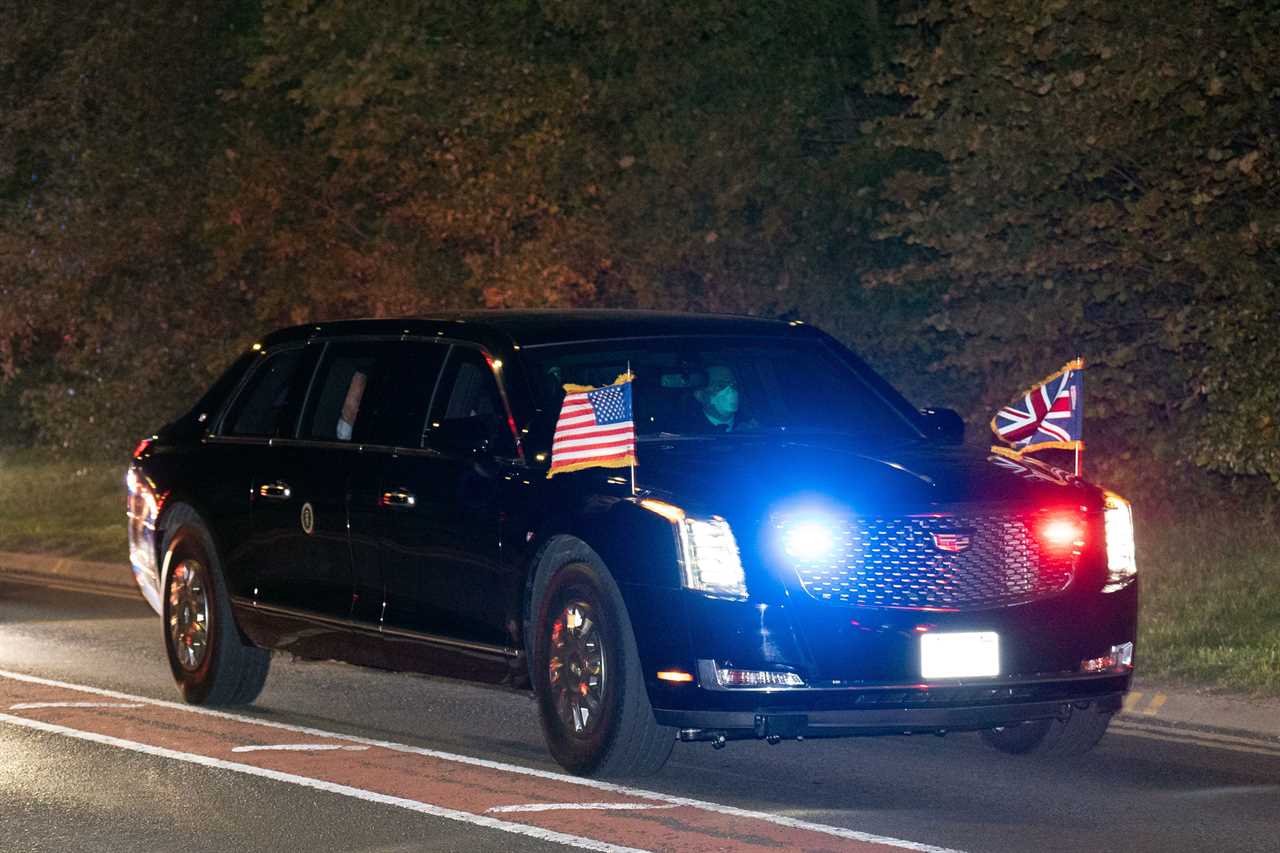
x: 717, y: 738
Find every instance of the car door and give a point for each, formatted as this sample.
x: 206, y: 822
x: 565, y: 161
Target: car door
x: 265, y: 410
x: 396, y: 422
x: 298, y: 541
x: 440, y: 548
x: 302, y: 518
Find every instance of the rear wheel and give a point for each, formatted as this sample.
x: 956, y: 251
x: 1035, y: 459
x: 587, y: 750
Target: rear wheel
x: 1075, y: 735
x: 586, y: 671
x: 210, y: 662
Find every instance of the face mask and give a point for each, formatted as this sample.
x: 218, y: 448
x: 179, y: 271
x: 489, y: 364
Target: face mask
x: 726, y: 400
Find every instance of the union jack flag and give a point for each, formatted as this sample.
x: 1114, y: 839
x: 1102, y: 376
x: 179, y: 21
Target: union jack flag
x: 1050, y: 415
x: 595, y: 429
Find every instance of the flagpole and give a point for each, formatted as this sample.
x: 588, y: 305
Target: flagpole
x: 1080, y: 438
x: 633, y: 432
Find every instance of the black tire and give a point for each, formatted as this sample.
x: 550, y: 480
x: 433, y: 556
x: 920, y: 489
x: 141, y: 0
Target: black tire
x: 212, y: 665
x: 1057, y: 738
x: 620, y: 737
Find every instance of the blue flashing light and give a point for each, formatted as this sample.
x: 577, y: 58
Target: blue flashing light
x: 808, y: 540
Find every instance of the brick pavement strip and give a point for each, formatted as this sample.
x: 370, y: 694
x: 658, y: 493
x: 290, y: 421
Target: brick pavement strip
x: 575, y: 812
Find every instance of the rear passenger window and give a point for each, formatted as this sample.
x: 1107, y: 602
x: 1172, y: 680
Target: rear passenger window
x: 267, y: 405
x: 342, y: 399
x: 468, y: 399
x: 374, y: 392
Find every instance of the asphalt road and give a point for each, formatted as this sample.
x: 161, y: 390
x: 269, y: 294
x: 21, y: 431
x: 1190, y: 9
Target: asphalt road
x: 100, y: 777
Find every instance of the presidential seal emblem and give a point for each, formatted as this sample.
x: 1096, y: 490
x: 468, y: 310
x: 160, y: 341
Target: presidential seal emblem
x: 308, y: 519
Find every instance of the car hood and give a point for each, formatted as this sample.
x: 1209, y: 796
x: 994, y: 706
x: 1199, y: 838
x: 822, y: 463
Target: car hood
x: 748, y: 477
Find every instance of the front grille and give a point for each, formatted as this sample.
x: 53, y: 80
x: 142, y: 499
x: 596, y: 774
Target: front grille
x: 898, y: 562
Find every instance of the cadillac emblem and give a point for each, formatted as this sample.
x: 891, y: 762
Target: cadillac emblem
x: 952, y: 542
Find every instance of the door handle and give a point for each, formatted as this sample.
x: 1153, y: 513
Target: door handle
x: 399, y: 498
x: 279, y: 490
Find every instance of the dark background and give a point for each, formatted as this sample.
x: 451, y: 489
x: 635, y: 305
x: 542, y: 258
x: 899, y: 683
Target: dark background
x: 970, y: 193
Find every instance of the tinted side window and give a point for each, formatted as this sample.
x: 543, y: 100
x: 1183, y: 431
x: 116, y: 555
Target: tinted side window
x: 342, y: 406
x: 374, y: 392
x: 267, y: 403
x: 468, y: 394
x: 403, y: 398
x: 412, y: 380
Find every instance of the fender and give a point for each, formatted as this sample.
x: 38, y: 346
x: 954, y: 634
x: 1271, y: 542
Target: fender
x: 639, y: 548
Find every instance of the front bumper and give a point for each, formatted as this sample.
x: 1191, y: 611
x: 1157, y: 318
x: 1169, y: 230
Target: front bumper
x: 861, y: 667
x: 906, y: 709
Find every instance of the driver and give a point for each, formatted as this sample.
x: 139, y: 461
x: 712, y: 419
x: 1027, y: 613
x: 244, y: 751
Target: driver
x: 717, y: 401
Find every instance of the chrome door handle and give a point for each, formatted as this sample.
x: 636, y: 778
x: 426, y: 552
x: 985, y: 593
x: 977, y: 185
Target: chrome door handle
x: 278, y: 490
x: 398, y: 497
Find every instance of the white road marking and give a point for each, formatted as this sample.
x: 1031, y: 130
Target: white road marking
x: 553, y: 807
x: 27, y: 706
x: 322, y: 785
x: 613, y: 788
x: 297, y: 747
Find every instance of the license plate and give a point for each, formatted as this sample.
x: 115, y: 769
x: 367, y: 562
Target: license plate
x: 970, y: 655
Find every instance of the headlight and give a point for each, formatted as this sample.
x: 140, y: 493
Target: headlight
x: 708, y: 552
x: 1122, y: 565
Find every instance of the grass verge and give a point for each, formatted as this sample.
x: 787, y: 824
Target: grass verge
x: 74, y: 509
x: 1210, y: 601
x: 1210, y: 612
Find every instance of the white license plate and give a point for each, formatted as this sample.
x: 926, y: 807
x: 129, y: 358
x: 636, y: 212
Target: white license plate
x: 970, y: 655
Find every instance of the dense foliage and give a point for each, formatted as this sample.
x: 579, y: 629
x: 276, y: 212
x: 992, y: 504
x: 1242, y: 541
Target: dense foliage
x: 1102, y: 180
x: 969, y: 192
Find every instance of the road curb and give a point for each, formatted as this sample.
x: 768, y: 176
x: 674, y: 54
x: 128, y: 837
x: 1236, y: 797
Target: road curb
x: 44, y: 568
x: 1151, y: 707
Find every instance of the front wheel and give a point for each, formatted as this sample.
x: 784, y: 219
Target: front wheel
x: 1078, y: 733
x: 586, y: 671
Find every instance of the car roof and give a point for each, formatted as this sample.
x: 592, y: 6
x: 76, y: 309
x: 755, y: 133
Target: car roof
x: 528, y: 328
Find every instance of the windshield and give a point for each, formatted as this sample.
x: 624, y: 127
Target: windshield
x: 705, y: 386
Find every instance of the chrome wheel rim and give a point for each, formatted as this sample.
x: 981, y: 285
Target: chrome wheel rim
x: 576, y: 668
x: 189, y: 614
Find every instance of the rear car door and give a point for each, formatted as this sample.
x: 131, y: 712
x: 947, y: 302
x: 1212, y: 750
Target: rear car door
x: 264, y: 411
x: 301, y: 519
x: 440, y: 548
x: 298, y: 544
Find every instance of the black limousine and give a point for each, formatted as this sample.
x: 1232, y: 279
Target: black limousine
x: 797, y: 552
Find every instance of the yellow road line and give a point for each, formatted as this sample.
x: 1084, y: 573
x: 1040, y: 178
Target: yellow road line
x: 1229, y: 742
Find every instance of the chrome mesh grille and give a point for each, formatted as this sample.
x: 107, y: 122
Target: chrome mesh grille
x: 896, y: 562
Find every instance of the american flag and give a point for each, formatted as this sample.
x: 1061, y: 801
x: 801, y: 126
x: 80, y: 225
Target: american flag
x: 595, y: 428
x: 1050, y: 415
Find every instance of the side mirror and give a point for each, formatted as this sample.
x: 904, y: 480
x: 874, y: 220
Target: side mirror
x: 945, y: 426
x: 464, y: 436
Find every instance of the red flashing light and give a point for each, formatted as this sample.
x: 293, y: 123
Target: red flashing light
x: 142, y: 446
x: 1061, y: 532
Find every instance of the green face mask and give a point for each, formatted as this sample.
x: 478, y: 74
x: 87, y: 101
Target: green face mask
x: 725, y: 400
